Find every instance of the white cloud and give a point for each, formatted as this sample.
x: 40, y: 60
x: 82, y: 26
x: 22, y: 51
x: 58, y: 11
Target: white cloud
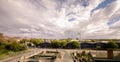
x: 51, y: 18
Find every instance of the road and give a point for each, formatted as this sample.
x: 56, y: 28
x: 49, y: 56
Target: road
x: 66, y: 57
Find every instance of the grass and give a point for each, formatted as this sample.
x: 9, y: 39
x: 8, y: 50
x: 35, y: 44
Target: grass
x: 7, y: 54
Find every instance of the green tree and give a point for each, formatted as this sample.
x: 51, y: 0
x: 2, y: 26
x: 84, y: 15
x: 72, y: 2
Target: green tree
x: 75, y: 44
x: 24, y: 40
x: 93, y: 40
x: 68, y: 39
x: 36, y: 42
x: 63, y: 43
x: 2, y: 45
x: 77, y: 38
x: 55, y: 43
x: 13, y: 46
x: 112, y: 45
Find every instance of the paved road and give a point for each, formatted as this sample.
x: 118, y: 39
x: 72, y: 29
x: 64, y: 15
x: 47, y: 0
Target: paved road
x: 66, y: 57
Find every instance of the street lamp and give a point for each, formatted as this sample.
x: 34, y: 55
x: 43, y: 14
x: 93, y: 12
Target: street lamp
x: 80, y: 36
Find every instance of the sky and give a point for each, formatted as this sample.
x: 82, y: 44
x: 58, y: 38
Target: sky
x: 90, y: 19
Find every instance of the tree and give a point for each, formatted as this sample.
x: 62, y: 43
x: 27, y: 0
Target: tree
x: 112, y: 45
x: 15, y: 47
x: 55, y: 43
x: 75, y: 44
x: 24, y: 40
x: 36, y: 42
x: 77, y: 38
x: 2, y: 45
x: 93, y: 40
x: 63, y: 43
x: 68, y: 39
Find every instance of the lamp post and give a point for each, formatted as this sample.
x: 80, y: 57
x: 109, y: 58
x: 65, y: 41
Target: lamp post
x: 79, y: 35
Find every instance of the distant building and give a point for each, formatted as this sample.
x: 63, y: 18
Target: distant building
x: 90, y: 45
x: 45, y: 45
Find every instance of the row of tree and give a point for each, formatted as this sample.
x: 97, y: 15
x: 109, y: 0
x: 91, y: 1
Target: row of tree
x: 109, y: 45
x: 72, y: 44
x: 64, y: 44
x: 7, y: 45
x: 11, y: 46
x: 52, y: 44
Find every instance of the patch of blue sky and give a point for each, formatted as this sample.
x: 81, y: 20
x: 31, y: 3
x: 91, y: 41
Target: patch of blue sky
x: 114, y: 20
x: 37, y: 4
x: 71, y: 19
x: 85, y: 3
x: 102, y: 5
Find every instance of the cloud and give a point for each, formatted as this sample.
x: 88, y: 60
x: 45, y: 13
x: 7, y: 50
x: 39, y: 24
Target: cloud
x: 59, y: 18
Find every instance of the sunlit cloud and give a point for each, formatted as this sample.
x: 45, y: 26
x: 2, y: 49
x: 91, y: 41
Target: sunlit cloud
x: 60, y: 18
